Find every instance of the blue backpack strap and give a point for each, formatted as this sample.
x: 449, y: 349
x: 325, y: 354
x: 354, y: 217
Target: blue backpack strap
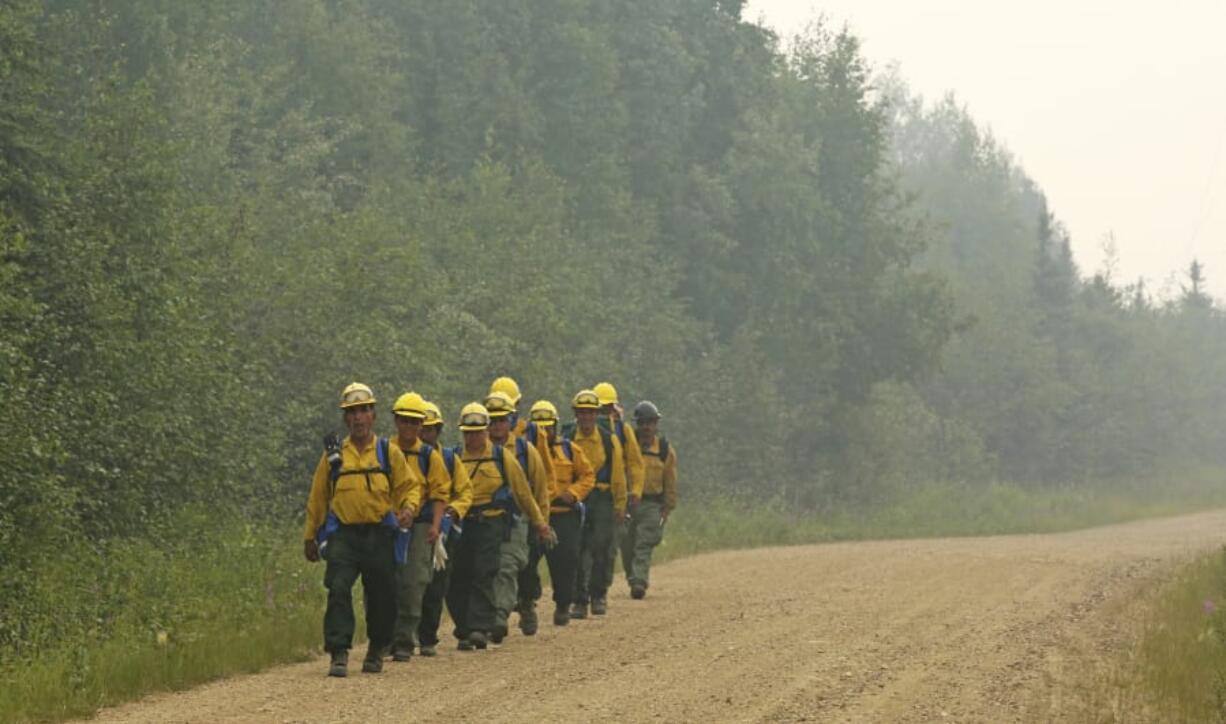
x: 381, y: 452
x: 605, y: 474
x: 423, y: 458
x: 521, y: 453
x: 449, y: 454
x: 531, y: 431
x: 568, y: 450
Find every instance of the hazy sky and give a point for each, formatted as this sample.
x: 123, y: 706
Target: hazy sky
x: 1117, y: 108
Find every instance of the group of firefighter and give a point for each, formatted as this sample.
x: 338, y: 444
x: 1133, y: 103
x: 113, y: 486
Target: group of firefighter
x: 426, y: 525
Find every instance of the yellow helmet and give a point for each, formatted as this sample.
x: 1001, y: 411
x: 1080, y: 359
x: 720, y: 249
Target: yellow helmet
x: 434, y: 416
x: 356, y: 395
x: 410, y: 404
x: 499, y: 404
x: 544, y: 413
x: 474, y: 416
x: 606, y: 393
x: 585, y: 400
x: 508, y: 387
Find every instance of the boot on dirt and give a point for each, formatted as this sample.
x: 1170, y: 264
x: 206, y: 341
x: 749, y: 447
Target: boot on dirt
x: 340, y: 664
x: 528, y: 622
x: 498, y: 634
x: 600, y: 606
x: 560, y: 616
x: 465, y: 645
x: 638, y: 591
x: 478, y: 640
x: 428, y: 650
x: 578, y: 611
x: 402, y: 653
x: 373, y: 663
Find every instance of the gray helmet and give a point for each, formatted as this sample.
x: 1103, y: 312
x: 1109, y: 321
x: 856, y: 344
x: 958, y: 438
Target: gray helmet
x: 646, y: 410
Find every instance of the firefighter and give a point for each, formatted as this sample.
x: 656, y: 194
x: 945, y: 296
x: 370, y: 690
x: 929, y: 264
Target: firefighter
x: 611, y: 420
x: 573, y: 481
x: 426, y: 464
x: 606, y: 505
x: 460, y: 500
x: 514, y: 552
x: 361, y: 495
x: 645, y: 529
x: 498, y: 488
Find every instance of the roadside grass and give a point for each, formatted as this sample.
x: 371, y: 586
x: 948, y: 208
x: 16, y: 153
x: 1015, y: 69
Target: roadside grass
x: 940, y: 510
x: 1176, y: 669
x: 107, y: 624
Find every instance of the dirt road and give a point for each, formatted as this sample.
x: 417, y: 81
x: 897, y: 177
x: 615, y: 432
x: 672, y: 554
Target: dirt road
x: 973, y: 629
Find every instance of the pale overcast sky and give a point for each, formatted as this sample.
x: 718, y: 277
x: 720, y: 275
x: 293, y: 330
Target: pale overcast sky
x: 1116, y: 108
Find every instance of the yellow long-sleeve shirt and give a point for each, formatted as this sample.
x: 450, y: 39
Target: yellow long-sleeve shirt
x: 435, y: 483
x: 538, y: 473
x: 576, y: 476
x: 593, y: 447
x: 542, y: 445
x: 363, y: 493
x: 461, y: 488
x: 632, y: 455
x: 661, y: 474
x: 486, y: 480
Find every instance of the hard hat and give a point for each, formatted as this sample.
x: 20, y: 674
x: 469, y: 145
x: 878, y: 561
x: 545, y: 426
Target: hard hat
x: 544, y: 413
x: 434, y: 416
x: 474, y: 416
x: 646, y: 410
x: 499, y: 404
x: 410, y: 404
x: 355, y: 395
x: 606, y: 393
x: 585, y: 400
x: 507, y: 386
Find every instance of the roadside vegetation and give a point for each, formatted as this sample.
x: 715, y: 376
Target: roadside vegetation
x: 1176, y: 668
x: 847, y: 300
x: 122, y: 620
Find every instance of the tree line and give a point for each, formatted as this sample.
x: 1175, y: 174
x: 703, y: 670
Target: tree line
x: 213, y: 216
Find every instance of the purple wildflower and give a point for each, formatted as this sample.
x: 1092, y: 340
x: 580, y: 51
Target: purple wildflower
x: 1209, y: 606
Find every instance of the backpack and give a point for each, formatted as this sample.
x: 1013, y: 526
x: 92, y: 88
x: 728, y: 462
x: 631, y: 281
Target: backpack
x: 381, y: 452
x: 423, y: 461
x: 605, y: 474
x: 663, y: 454
x: 502, y: 497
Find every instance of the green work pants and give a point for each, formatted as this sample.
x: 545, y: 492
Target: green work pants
x: 597, y: 547
x: 563, y: 559
x: 643, y: 533
x: 512, y: 559
x: 470, y: 594
x: 412, y: 578
x: 366, y: 551
x: 432, y: 601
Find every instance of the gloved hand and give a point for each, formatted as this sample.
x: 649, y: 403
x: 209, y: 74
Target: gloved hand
x: 440, y: 554
x: 310, y: 549
x: 550, y: 541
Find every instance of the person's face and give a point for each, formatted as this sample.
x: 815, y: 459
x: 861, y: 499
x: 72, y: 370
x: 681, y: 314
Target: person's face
x: 474, y: 439
x: 408, y: 428
x: 500, y: 427
x: 430, y: 433
x: 586, y: 419
x: 647, y: 428
x: 360, y: 420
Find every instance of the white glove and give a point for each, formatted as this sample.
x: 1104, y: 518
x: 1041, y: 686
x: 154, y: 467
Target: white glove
x: 440, y: 554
